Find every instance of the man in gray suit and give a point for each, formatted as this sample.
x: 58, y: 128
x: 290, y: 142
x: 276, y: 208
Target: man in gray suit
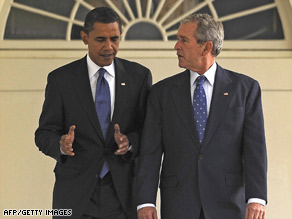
x: 207, y: 124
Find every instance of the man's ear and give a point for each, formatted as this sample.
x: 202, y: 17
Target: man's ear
x: 84, y: 37
x: 208, y: 48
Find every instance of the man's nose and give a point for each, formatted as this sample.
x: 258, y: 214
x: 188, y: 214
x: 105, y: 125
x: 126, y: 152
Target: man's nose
x: 108, y: 44
x: 177, y: 46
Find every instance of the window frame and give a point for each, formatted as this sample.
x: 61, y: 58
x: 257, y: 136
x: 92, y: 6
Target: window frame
x: 284, y: 8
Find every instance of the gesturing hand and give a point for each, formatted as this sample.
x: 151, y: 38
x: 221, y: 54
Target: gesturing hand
x: 121, y: 140
x: 67, y: 141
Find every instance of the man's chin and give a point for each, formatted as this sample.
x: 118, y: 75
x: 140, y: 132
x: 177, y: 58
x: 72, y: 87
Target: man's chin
x: 106, y: 62
x: 181, y: 65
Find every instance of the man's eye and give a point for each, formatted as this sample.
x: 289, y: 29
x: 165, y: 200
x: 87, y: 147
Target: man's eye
x: 181, y: 40
x: 99, y: 39
x: 114, y: 39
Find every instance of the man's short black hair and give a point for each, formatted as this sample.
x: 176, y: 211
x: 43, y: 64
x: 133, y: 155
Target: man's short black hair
x: 102, y: 15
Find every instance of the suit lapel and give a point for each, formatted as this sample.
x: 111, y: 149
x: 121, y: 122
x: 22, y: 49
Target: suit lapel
x: 182, y: 99
x: 81, y: 83
x: 120, y: 94
x: 222, y: 94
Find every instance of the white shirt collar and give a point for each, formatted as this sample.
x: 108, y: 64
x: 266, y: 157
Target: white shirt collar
x: 209, y: 74
x: 93, y: 68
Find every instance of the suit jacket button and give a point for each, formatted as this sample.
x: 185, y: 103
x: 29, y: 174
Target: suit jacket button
x: 96, y: 176
x: 201, y: 157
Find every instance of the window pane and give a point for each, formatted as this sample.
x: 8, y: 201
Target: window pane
x: 96, y: 3
x: 226, y: 7
x: 265, y: 25
x: 81, y: 13
x: 60, y: 7
x: 26, y: 25
x: 75, y: 33
x: 143, y: 31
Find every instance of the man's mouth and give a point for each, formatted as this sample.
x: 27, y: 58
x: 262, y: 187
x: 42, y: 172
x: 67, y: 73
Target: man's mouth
x: 106, y: 55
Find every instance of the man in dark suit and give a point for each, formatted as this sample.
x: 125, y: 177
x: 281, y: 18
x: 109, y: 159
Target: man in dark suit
x: 207, y: 124
x: 91, y: 123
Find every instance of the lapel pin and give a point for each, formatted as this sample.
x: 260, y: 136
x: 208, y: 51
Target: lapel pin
x: 225, y: 94
x: 123, y: 84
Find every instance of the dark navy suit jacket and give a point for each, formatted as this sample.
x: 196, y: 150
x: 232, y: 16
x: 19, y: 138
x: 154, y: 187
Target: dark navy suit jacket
x: 69, y: 101
x: 223, y: 172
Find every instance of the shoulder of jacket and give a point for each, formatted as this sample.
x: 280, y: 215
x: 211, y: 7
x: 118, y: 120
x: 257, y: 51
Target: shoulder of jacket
x: 133, y: 64
x: 240, y: 77
x: 172, y: 79
x: 67, y: 68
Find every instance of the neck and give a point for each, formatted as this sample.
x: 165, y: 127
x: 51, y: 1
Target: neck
x: 206, y: 66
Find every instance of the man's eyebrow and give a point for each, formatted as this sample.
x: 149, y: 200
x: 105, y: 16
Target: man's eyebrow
x: 103, y: 38
x: 181, y: 36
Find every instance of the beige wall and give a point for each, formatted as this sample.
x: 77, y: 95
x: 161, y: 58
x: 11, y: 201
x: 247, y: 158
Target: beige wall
x: 26, y: 175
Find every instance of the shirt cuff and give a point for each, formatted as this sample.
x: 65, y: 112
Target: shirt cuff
x: 62, y: 153
x: 257, y: 200
x: 130, y: 148
x: 145, y: 205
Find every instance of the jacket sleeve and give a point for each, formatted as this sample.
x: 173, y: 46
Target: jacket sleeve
x: 150, y: 153
x: 51, y: 122
x: 254, y: 146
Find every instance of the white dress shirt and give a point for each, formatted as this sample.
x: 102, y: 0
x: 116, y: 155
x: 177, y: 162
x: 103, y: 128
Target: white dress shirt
x: 208, y: 87
x: 109, y: 76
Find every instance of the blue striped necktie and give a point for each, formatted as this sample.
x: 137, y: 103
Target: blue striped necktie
x: 200, y: 106
x: 103, y: 109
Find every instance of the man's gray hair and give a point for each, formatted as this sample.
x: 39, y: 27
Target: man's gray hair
x: 207, y: 30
